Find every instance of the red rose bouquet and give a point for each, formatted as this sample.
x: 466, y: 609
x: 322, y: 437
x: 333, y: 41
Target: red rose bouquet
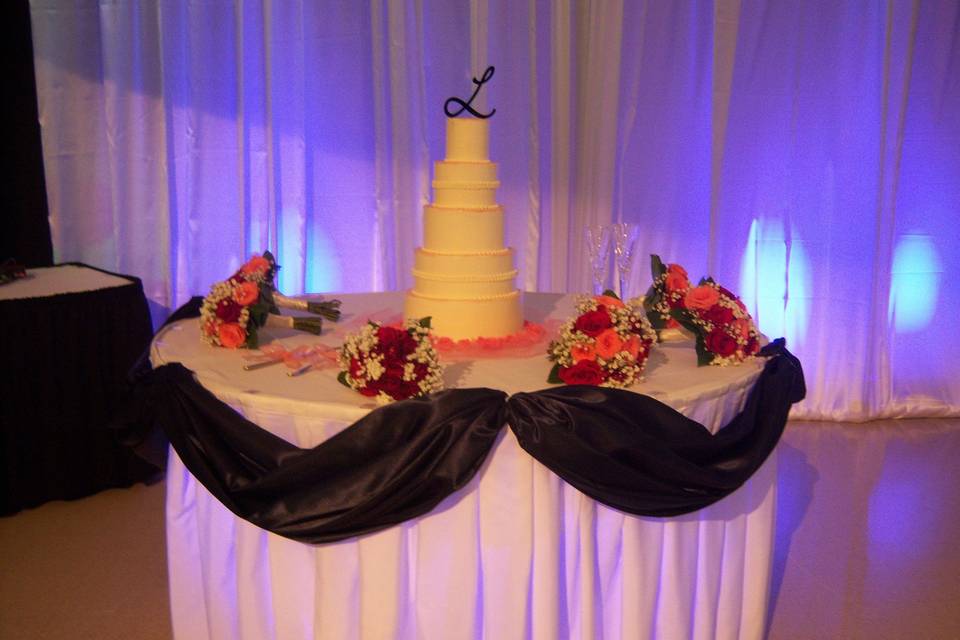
x: 236, y: 308
x: 391, y: 363
x: 606, y: 344
x: 724, y: 331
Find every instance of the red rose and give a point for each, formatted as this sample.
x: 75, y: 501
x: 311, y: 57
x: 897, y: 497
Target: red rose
x: 584, y: 372
x: 393, y: 368
x: 721, y: 343
x: 409, y: 389
x: 395, y: 343
x: 228, y: 310
x: 676, y: 299
x: 391, y: 381
x: 593, y: 323
x: 392, y: 386
x: 355, y: 368
x: 752, y: 348
x: 368, y: 391
x: 726, y: 292
x: 717, y: 315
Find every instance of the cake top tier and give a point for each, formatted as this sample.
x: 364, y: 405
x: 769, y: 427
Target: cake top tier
x: 468, y: 139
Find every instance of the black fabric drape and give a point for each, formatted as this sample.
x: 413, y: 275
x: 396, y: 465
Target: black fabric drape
x: 25, y: 228
x: 628, y: 451
x: 394, y: 464
x: 639, y: 455
x: 66, y: 358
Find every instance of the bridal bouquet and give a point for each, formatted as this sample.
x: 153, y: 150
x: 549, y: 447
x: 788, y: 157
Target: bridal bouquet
x: 724, y: 331
x: 606, y: 344
x: 391, y: 362
x: 236, y: 308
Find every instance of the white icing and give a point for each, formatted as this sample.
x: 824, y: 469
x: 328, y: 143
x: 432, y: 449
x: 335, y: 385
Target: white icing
x: 463, y: 275
x: 467, y: 139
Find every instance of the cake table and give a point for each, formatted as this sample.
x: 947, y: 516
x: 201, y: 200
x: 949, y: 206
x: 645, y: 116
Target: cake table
x: 518, y: 553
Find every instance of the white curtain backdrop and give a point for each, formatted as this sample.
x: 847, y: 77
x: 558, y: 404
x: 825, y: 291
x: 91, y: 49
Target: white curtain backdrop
x: 807, y: 154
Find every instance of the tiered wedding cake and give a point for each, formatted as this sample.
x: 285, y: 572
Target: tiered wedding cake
x: 463, y: 275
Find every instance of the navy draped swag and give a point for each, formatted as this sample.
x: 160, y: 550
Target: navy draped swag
x: 626, y: 450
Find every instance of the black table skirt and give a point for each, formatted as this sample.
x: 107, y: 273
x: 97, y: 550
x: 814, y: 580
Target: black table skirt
x: 66, y: 359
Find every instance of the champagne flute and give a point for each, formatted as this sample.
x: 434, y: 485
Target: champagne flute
x: 625, y: 235
x: 597, y: 238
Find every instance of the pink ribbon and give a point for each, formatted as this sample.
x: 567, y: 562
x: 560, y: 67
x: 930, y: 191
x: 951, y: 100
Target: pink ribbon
x: 307, y: 357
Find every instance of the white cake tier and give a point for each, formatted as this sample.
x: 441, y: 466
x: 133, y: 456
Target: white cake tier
x: 465, y: 194
x: 467, y: 139
x: 460, y: 171
x: 468, y: 319
x: 463, y: 229
x: 465, y: 286
x: 465, y: 184
x: 463, y: 262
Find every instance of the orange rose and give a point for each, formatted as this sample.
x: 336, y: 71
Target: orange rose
x: 677, y: 269
x: 608, y: 301
x: 256, y: 264
x: 583, y: 351
x: 702, y: 297
x: 231, y: 335
x: 608, y: 344
x: 632, y: 346
x: 676, y: 281
x: 246, y: 293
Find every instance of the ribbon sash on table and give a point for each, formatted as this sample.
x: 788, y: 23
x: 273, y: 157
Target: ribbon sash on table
x: 626, y: 450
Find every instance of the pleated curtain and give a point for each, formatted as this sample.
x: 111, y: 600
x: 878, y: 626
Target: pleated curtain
x: 805, y: 154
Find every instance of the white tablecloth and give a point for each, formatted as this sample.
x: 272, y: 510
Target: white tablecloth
x: 54, y: 281
x: 516, y: 554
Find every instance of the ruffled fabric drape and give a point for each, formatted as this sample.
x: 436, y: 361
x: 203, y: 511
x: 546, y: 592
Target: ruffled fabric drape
x: 804, y: 154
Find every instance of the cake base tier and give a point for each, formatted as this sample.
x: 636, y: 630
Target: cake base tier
x: 468, y: 319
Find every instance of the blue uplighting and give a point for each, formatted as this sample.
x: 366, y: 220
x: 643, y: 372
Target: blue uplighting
x: 323, y: 269
x: 775, y: 280
x: 914, y: 284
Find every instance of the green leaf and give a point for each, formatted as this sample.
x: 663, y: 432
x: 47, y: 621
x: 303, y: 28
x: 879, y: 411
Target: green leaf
x: 656, y: 321
x: 342, y: 379
x: 609, y: 292
x: 266, y: 299
x: 704, y: 357
x: 554, y: 377
x: 258, y: 314
x: 425, y: 322
x: 272, y: 271
x: 373, y: 324
x: 657, y: 268
x: 686, y: 321
x: 252, y: 340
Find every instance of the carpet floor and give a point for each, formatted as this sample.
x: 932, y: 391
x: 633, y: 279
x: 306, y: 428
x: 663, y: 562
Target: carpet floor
x: 868, y: 523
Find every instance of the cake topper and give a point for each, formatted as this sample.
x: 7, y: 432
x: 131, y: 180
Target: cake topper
x: 465, y: 106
